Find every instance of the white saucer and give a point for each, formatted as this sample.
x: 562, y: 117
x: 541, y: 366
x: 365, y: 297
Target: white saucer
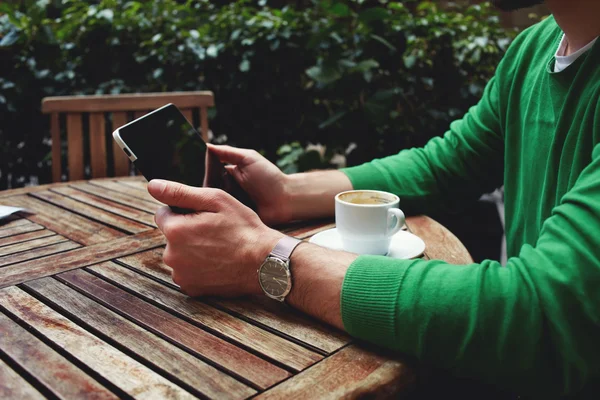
x: 404, y: 244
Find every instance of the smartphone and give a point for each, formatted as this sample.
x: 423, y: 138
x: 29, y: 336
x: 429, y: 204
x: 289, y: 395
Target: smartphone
x: 163, y: 144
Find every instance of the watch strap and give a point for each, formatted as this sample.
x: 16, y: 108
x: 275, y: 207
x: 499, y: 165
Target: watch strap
x: 284, y: 248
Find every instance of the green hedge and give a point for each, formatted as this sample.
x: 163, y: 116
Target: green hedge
x: 364, y: 78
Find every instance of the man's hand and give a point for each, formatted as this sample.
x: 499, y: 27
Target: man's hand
x: 261, y: 179
x: 280, y: 197
x: 217, y: 249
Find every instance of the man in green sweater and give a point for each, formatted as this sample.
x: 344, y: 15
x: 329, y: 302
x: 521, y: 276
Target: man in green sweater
x: 532, y: 326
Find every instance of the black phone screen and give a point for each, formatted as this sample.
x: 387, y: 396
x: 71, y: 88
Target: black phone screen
x: 168, y: 147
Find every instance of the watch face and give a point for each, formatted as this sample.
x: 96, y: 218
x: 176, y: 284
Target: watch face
x: 274, y: 277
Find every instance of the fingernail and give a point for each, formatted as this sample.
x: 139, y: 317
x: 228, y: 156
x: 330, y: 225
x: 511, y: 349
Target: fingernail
x: 157, y: 185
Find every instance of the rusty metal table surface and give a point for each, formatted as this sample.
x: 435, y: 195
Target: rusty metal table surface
x: 88, y: 310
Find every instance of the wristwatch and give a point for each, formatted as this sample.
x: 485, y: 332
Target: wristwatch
x: 274, y: 274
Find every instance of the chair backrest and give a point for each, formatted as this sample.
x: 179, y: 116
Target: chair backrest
x: 106, y: 113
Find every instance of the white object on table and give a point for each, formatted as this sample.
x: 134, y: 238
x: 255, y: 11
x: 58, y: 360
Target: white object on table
x: 6, y: 211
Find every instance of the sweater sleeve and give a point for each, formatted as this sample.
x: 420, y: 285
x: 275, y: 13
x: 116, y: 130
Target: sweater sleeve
x: 533, y: 324
x: 449, y: 171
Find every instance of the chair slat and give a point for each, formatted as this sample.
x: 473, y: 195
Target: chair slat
x: 130, y: 102
x: 75, y: 146
x: 98, y: 145
x: 121, y: 160
x: 56, y: 147
x: 120, y: 106
x: 204, y: 123
x: 188, y: 114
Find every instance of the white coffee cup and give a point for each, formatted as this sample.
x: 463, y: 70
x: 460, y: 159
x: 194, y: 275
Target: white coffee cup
x: 366, y: 220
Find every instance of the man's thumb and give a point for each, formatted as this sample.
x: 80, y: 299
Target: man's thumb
x: 182, y: 196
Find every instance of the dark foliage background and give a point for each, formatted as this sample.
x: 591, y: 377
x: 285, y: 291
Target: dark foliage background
x: 363, y: 78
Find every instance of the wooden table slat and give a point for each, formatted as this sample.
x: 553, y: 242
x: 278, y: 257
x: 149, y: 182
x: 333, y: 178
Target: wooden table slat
x: 63, y: 222
x: 31, y: 244
x: 24, y: 237
x: 239, y: 362
x: 117, y: 197
x: 92, y: 212
x: 290, y: 322
x: 13, y: 386
x: 139, y: 185
x: 128, y: 374
x: 20, y: 229
x: 19, y: 273
x: 349, y: 373
x: 126, y: 189
x: 20, y: 262
x: 266, y: 343
x: 107, y: 205
x: 263, y: 311
x: 440, y: 243
x: 197, y: 374
x: 55, y: 372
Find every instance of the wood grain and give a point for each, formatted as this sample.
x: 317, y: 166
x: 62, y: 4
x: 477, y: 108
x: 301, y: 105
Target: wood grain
x: 117, y: 197
x: 107, y: 205
x: 282, y: 319
x: 121, y: 161
x: 351, y: 373
x: 150, y: 263
x: 25, y: 237
x: 123, y: 371
x: 127, y: 190
x: 55, y: 372
x: 126, y: 102
x: 20, y: 229
x: 207, y: 380
x: 440, y: 243
x: 142, y: 186
x: 16, y: 262
x: 98, y: 145
x: 12, y: 386
x: 56, y: 147
x: 234, y: 329
x: 31, y: 245
x: 72, y: 226
x: 239, y: 362
x: 75, y: 146
x: 260, y: 310
x: 50, y: 265
x: 91, y: 212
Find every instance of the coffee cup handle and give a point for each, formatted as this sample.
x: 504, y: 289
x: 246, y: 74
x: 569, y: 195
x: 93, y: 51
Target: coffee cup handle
x: 398, y: 215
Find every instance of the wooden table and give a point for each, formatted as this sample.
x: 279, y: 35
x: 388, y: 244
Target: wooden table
x: 88, y: 310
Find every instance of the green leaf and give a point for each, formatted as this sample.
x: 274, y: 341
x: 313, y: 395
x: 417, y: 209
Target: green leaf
x: 106, y: 14
x: 384, y: 42
x: 333, y: 119
x: 365, y: 65
x: 324, y: 74
x: 340, y: 10
x: 410, y: 61
x: 10, y: 39
x: 373, y: 14
x: 245, y: 66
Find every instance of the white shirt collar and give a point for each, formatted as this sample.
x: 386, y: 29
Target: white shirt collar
x: 561, y: 61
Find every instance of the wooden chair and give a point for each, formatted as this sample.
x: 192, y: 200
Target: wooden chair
x: 116, y: 110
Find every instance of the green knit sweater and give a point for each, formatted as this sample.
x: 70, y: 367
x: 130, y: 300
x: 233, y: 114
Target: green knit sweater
x: 534, y: 325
